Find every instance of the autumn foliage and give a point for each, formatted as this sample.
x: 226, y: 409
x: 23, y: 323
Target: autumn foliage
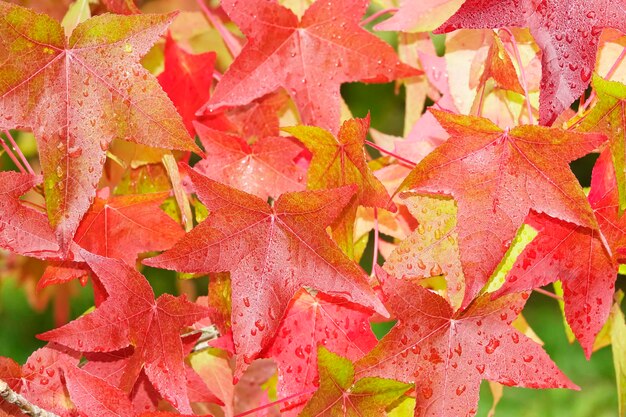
x: 211, y: 139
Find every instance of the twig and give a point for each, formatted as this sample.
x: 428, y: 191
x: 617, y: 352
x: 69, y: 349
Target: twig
x: 268, y: 405
x: 376, y: 15
x: 9, y: 152
x: 548, y: 293
x: 231, y: 42
x: 609, y: 74
x: 522, y: 74
x: 19, y: 152
x: 376, y: 233
x: 12, y: 397
x: 383, y: 150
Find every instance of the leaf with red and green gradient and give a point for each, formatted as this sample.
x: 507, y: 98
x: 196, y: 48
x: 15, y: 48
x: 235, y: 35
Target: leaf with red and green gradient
x: 266, y: 168
x: 566, y: 32
x: 130, y: 316
x: 339, y: 395
x: 339, y: 161
x: 187, y: 80
x: 448, y: 354
x: 271, y: 253
x: 312, y: 320
x: 80, y: 93
x: 23, y: 229
x: 310, y: 57
x: 577, y: 256
x: 496, y: 177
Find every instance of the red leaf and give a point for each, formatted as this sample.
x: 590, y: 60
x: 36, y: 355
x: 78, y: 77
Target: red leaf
x: 271, y: 253
x: 448, y: 354
x: 121, y: 6
x: 341, y: 327
x: 310, y: 58
x: 578, y: 257
x: 496, y: 177
x: 567, y: 33
x: 266, y: 168
x: 187, y: 79
x: 80, y: 93
x: 131, y: 316
x: 23, y: 230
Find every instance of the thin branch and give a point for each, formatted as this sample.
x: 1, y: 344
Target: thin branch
x: 548, y: 294
x: 376, y: 15
x: 268, y: 405
x: 19, y: 152
x: 522, y: 74
x: 12, y: 397
x: 231, y: 42
x: 9, y: 152
x: 385, y: 151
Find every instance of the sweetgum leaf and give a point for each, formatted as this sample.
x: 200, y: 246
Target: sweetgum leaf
x: 339, y: 395
x: 271, y: 253
x: 313, y: 320
x: 187, y: 79
x: 567, y: 33
x: 266, y: 168
x: 80, y: 93
x: 339, y: 161
x: 23, y: 230
x: 496, y: 176
x: 448, y: 354
x: 310, y: 57
x: 577, y: 256
x: 130, y: 316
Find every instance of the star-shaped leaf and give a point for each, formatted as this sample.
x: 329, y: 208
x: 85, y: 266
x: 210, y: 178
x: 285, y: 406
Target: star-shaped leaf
x: 77, y: 95
x: 313, y: 320
x: 496, y: 177
x: 567, y: 33
x: 271, y: 253
x: 339, y: 395
x: 130, y: 316
x: 577, y: 256
x: 266, y: 168
x: 448, y: 354
x: 339, y: 161
x: 310, y: 57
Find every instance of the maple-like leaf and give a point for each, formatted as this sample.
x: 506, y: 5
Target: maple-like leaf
x: 271, y: 253
x: 266, y: 168
x: 77, y: 95
x: 577, y: 256
x: 340, y: 395
x: 608, y: 115
x: 310, y: 58
x: 339, y: 161
x: 187, y: 79
x: 122, y: 227
x: 496, y: 177
x: 130, y: 316
x: 313, y: 320
x: 567, y: 33
x: 448, y: 354
x: 23, y: 230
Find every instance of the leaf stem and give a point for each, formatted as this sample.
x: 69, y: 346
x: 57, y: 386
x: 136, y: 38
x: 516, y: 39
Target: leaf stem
x: 548, y: 294
x: 231, y: 42
x: 376, y: 15
x: 522, y: 74
x: 9, y: 152
x: 385, y: 151
x: 19, y: 152
x: 12, y: 397
x: 609, y: 74
x: 268, y: 405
